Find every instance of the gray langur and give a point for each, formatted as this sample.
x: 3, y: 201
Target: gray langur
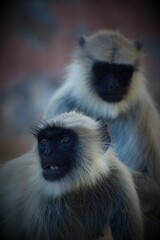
x: 71, y: 186
x: 106, y: 80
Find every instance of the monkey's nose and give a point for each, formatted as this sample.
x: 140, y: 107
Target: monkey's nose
x: 49, y: 152
x: 113, y: 84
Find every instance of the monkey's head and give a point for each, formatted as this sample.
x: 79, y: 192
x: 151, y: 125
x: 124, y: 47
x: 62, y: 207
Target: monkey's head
x: 108, y: 65
x: 71, y: 148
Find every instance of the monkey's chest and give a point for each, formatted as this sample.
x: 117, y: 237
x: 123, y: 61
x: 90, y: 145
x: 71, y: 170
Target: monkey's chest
x: 73, y: 225
x: 70, y: 219
x: 125, y: 139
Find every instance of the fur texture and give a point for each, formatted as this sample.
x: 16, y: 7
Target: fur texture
x: 98, y: 197
x: 133, y: 122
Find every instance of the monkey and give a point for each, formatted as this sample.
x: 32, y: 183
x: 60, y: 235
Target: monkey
x: 107, y: 80
x: 70, y: 186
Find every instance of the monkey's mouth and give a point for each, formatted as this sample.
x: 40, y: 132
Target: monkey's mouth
x: 52, y: 172
x: 111, y: 98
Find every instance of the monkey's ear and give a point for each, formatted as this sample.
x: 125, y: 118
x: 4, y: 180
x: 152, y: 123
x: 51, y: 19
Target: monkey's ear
x: 138, y: 44
x: 82, y: 41
x: 104, y: 135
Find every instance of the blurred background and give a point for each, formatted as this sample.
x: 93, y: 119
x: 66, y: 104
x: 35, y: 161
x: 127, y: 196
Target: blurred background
x: 36, y: 41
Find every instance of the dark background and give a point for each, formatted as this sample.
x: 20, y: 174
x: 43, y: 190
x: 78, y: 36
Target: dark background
x: 36, y: 41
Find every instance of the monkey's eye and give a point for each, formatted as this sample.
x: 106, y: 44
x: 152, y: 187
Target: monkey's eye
x: 100, y: 71
x: 125, y: 72
x: 43, y: 141
x: 65, y: 139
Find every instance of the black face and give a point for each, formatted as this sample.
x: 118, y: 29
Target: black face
x: 111, y: 81
x: 57, y: 151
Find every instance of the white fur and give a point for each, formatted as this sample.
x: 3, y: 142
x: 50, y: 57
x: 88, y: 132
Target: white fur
x: 22, y: 186
x: 88, y: 97
x: 76, y: 82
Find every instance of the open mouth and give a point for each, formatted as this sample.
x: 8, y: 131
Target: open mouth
x: 53, y: 172
x: 52, y: 167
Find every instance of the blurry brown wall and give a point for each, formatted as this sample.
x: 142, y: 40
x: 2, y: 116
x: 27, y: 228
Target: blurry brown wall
x: 37, y: 38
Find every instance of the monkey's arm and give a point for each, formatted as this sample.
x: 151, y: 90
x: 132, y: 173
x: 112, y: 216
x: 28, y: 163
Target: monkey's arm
x: 148, y: 191
x: 141, y: 152
x: 147, y: 175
